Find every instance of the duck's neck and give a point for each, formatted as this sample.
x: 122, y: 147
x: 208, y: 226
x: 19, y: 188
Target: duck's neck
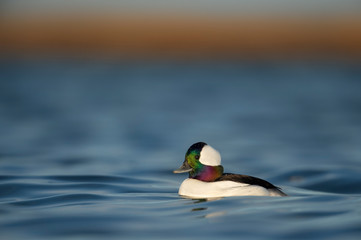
x: 206, y: 173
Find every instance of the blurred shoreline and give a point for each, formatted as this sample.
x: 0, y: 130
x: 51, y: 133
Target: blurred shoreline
x: 181, y: 36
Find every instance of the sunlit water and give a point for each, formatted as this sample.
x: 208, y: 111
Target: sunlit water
x: 87, y: 149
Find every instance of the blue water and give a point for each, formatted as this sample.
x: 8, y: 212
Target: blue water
x: 87, y: 148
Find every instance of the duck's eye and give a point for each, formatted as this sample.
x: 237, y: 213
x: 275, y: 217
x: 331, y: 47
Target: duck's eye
x: 197, y: 156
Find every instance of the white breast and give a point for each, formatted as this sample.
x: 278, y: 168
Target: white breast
x: 194, y: 188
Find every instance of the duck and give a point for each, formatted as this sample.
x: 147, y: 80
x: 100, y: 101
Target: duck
x: 207, y: 178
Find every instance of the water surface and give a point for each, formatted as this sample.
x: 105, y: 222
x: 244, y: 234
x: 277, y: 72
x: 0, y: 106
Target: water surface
x: 87, y: 148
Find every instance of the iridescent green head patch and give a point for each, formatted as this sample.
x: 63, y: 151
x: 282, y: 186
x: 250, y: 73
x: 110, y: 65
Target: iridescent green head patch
x: 193, y: 154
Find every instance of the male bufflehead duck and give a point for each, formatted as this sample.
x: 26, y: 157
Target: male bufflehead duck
x: 207, y: 180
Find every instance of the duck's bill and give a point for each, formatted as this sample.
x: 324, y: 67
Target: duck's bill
x: 184, y: 168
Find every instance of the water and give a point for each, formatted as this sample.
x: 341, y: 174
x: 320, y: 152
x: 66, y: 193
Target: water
x: 87, y: 148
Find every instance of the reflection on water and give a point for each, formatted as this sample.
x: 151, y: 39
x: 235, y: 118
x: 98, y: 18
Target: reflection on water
x: 87, y: 148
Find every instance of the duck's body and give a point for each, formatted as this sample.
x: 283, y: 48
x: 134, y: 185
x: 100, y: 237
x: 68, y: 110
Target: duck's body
x: 207, y: 180
x: 194, y: 188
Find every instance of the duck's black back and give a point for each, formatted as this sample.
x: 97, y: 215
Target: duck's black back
x: 246, y: 179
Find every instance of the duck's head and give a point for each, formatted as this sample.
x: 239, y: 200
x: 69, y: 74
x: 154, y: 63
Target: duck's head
x: 202, y: 162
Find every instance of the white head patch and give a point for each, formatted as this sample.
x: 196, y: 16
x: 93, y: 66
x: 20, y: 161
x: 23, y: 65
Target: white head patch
x: 210, y: 156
